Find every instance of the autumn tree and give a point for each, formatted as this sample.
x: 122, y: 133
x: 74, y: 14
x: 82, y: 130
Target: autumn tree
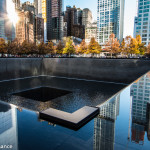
x: 93, y: 47
x: 82, y: 49
x: 50, y: 48
x: 33, y: 49
x: 69, y: 48
x: 113, y: 45
x: 127, y: 45
x: 122, y: 46
x: 3, y: 47
x: 42, y: 48
x: 25, y: 47
x: 140, y: 45
x: 148, y: 50
x: 133, y: 47
x: 59, y: 48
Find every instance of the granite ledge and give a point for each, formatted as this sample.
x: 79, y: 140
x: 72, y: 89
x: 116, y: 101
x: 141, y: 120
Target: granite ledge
x: 73, y: 120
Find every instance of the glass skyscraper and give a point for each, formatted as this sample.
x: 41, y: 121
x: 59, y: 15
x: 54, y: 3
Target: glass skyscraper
x: 54, y: 9
x: 142, y: 21
x: 2, y: 19
x: 110, y: 19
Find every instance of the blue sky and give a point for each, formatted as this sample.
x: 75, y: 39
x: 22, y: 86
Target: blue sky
x: 130, y: 11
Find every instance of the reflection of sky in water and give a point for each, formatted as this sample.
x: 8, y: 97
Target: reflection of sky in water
x: 115, y: 128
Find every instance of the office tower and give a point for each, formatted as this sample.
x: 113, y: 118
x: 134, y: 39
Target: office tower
x: 104, y: 125
x: 70, y: 18
x: 73, y: 18
x: 54, y: 15
x: 2, y: 19
x: 17, y: 3
x: 140, y: 100
x: 39, y: 29
x: 110, y: 19
x: 40, y: 11
x: 38, y: 7
x: 90, y: 32
x: 86, y: 17
x: 142, y: 24
x: 79, y: 16
x: 27, y: 6
x: 25, y: 27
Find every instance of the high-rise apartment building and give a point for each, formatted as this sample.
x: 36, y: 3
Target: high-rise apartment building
x: 110, y: 19
x: 142, y: 23
x: 54, y: 10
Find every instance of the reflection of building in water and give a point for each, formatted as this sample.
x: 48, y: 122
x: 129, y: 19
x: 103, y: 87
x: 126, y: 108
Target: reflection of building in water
x: 8, y: 126
x: 148, y: 122
x: 140, y: 92
x: 104, y: 125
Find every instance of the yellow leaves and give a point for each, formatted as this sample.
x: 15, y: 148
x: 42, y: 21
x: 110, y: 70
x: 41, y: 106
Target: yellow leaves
x: 3, y: 46
x: 69, y: 48
x: 113, y: 45
x: 93, y: 47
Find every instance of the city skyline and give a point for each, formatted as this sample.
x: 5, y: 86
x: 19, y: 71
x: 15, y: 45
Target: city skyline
x: 130, y: 12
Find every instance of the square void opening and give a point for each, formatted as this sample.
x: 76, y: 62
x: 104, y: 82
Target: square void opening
x: 42, y: 94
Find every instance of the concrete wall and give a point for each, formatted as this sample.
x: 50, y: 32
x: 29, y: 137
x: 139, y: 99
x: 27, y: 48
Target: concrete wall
x: 19, y: 67
x: 114, y: 70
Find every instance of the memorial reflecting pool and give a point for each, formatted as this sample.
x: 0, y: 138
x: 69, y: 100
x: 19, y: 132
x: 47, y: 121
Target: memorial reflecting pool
x: 123, y: 121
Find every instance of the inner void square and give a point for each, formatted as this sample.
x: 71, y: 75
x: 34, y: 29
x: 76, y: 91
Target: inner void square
x: 42, y: 94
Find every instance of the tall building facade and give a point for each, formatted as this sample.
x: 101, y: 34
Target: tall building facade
x: 25, y: 27
x: 27, y: 6
x: 86, y: 17
x: 8, y: 126
x: 110, y: 19
x: 17, y: 3
x: 38, y: 7
x: 104, y: 125
x: 73, y: 18
x: 40, y: 11
x: 2, y: 19
x: 39, y: 29
x: 142, y: 23
x: 91, y: 32
x: 140, y: 111
x: 54, y: 10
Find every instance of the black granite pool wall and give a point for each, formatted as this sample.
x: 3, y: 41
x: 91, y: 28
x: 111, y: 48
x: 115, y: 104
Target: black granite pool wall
x: 114, y: 70
x: 11, y: 68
